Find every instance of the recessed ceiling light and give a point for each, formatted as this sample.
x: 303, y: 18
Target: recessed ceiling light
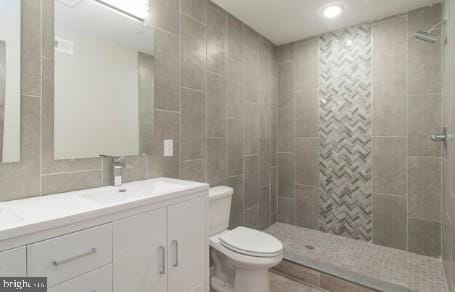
x: 332, y: 10
x: 137, y: 9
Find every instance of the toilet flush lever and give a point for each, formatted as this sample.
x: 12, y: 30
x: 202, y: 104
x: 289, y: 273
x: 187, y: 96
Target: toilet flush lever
x: 441, y: 137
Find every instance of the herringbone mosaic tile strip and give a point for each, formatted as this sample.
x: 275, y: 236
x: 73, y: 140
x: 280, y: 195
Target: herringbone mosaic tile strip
x: 345, y: 132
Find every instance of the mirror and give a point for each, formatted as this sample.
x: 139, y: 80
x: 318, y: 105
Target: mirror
x: 103, y: 78
x: 10, y: 80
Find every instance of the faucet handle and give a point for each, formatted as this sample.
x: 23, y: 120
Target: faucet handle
x: 117, y: 160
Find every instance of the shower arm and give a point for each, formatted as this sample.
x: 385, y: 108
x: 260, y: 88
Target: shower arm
x: 435, y: 26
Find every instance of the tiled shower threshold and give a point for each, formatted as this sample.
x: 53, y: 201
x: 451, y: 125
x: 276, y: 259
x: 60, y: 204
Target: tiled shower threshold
x: 377, y: 267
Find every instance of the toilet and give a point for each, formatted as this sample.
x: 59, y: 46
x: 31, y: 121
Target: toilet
x: 241, y: 257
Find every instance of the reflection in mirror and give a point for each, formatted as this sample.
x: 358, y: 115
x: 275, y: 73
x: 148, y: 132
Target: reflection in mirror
x: 10, y: 66
x: 103, y: 92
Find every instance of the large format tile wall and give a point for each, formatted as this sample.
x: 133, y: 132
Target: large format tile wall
x: 215, y: 96
x: 405, y: 165
x: 448, y: 156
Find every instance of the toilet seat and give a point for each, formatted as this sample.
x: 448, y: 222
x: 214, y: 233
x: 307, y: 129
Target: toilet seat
x: 251, y: 242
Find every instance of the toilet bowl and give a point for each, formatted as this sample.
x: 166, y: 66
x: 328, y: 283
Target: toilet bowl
x: 248, y: 253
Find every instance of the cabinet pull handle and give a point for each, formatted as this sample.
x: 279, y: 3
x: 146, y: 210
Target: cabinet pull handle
x: 163, y: 260
x: 90, y: 252
x: 175, y: 243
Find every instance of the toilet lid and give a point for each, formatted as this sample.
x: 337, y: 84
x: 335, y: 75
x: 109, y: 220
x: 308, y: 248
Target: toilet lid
x: 251, y: 242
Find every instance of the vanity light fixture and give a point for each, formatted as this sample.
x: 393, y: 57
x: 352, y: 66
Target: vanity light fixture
x: 136, y: 9
x: 332, y: 10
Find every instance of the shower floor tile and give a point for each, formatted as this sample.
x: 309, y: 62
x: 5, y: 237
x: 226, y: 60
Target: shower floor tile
x: 374, y: 266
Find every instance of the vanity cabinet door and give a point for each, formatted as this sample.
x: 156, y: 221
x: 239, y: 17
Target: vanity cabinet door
x: 13, y: 263
x: 140, y: 253
x: 188, y: 246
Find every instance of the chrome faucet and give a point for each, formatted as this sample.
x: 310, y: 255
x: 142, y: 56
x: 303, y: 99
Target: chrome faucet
x: 118, y: 163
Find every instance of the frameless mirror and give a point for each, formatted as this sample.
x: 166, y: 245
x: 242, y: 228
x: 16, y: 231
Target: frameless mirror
x: 103, y: 78
x: 10, y: 80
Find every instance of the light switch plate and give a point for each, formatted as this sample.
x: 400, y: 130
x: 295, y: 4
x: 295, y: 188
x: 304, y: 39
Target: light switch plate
x: 168, y: 148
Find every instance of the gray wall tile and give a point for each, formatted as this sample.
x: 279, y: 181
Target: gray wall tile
x: 250, y: 176
x: 307, y: 206
x: 235, y: 90
x: 251, y: 129
x: 166, y: 14
x: 286, y: 130
x: 307, y: 113
x: 264, y: 162
x: 424, y: 62
x: 286, y: 210
x: 216, y: 161
x: 390, y: 221
x: 235, y: 38
x: 236, y: 219
x: 390, y: 161
x: 251, y: 217
x: 216, y: 105
x: 195, y: 8
x: 390, y: 48
x: 306, y: 64
x: 286, y: 175
x: 251, y: 75
x: 286, y: 84
x: 424, y: 119
x: 264, y: 207
x: 216, y: 39
x: 235, y: 147
x: 59, y: 183
x: 285, y: 53
x: 167, y: 71
x: 425, y: 188
x: 193, y: 124
x: 192, y: 61
x: 424, y: 237
x: 307, y: 161
x: 389, y: 110
x: 166, y: 128
x: 195, y: 170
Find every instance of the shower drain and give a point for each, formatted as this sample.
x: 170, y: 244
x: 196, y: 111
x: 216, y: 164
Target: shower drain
x: 309, y: 247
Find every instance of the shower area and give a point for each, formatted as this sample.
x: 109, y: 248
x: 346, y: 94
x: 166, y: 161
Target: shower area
x: 357, y: 109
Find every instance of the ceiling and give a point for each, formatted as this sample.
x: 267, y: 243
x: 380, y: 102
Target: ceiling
x: 284, y: 21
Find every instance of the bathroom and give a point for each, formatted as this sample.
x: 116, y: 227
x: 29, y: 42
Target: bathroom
x: 252, y: 145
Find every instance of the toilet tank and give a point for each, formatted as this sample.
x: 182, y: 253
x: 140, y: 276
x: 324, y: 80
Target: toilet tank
x: 219, y: 209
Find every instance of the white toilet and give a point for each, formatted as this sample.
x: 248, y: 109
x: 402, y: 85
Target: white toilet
x: 242, y: 256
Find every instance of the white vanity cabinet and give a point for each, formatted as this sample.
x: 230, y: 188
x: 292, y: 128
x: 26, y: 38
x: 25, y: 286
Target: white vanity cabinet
x: 153, y: 237
x: 162, y: 250
x: 13, y: 263
x: 140, y: 252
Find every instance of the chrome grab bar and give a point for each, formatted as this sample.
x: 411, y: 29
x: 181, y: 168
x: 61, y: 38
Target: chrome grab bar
x: 58, y: 263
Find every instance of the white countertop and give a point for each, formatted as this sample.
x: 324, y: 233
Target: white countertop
x: 26, y: 216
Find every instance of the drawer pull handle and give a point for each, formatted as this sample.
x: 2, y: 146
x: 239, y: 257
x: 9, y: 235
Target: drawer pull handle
x: 175, y: 243
x: 163, y: 260
x: 58, y: 263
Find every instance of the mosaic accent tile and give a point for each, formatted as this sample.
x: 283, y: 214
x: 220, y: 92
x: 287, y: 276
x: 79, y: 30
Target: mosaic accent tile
x: 345, y: 132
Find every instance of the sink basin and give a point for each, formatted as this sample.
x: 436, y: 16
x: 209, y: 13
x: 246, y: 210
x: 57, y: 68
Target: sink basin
x: 9, y: 217
x: 132, y: 192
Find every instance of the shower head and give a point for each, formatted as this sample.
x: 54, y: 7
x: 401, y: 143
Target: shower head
x: 428, y: 36
x: 425, y: 36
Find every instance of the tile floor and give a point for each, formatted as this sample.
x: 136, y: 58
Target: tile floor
x: 375, y: 266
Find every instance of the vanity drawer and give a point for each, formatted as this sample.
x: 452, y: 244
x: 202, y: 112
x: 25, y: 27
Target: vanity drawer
x: 66, y: 257
x: 99, y: 280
